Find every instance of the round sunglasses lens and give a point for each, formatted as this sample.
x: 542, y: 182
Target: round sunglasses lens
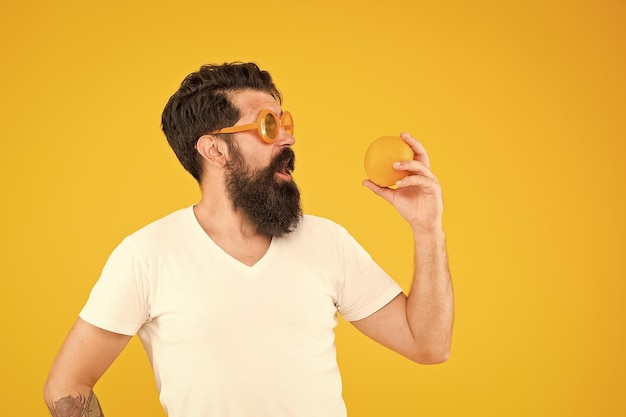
x: 287, y: 123
x: 270, y: 126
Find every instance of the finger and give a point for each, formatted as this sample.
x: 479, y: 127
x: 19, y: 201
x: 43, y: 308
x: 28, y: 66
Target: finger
x: 383, y: 192
x: 417, y: 147
x: 414, y: 167
x: 420, y: 181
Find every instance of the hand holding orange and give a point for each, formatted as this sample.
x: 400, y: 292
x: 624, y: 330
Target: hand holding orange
x: 380, y: 156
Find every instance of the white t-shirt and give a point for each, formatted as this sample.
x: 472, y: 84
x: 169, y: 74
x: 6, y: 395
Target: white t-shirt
x: 230, y: 340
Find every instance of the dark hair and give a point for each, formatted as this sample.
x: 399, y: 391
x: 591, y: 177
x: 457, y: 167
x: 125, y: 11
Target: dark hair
x: 201, y: 105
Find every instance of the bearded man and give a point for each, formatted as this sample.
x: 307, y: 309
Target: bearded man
x: 235, y: 299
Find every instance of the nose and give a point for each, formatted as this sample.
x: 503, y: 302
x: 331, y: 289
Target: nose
x: 285, y: 139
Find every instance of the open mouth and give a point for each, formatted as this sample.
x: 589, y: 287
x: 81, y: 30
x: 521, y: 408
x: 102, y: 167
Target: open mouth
x: 286, y: 166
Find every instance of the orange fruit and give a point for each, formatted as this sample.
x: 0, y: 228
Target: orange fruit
x: 380, y: 156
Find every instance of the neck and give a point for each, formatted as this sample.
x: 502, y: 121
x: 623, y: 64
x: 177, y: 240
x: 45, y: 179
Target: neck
x: 233, y: 232
x: 217, y: 216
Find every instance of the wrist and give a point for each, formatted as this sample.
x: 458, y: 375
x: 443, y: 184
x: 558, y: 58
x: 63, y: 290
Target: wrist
x: 428, y: 236
x: 434, y: 229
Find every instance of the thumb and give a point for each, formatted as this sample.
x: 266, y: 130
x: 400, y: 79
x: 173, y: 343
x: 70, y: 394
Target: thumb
x: 383, y: 192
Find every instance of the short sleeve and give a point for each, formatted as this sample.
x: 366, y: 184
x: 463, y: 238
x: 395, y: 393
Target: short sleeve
x: 118, y: 301
x: 366, y: 287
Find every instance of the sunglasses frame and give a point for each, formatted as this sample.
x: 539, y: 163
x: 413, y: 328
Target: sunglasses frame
x: 259, y: 125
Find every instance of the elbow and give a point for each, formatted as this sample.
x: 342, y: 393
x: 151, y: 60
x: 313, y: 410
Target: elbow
x: 431, y: 357
x: 50, y: 390
x: 56, y: 388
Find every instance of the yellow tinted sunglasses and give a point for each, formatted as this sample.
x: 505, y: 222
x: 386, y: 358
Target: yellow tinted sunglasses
x: 268, y: 125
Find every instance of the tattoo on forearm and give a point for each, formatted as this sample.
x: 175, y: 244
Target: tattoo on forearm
x: 78, y: 406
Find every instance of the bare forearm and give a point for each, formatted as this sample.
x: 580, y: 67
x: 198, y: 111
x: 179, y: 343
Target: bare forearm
x: 430, y: 304
x: 82, y: 403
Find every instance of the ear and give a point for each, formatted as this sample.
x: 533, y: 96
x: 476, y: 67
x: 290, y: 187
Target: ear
x: 212, y: 149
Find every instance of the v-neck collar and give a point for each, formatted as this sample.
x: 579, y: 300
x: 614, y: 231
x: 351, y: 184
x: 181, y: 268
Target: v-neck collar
x: 249, y: 269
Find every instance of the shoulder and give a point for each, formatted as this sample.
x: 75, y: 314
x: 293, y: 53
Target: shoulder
x: 319, y: 226
x: 167, y: 224
x: 318, y: 231
x: 166, y: 231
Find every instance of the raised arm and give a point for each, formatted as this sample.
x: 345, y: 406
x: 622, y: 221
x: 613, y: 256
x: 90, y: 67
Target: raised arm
x: 86, y: 354
x: 418, y: 326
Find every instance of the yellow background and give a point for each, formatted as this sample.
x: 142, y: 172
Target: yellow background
x: 520, y: 104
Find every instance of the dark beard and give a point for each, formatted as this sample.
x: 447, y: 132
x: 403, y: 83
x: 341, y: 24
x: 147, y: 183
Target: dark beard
x: 274, y: 206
